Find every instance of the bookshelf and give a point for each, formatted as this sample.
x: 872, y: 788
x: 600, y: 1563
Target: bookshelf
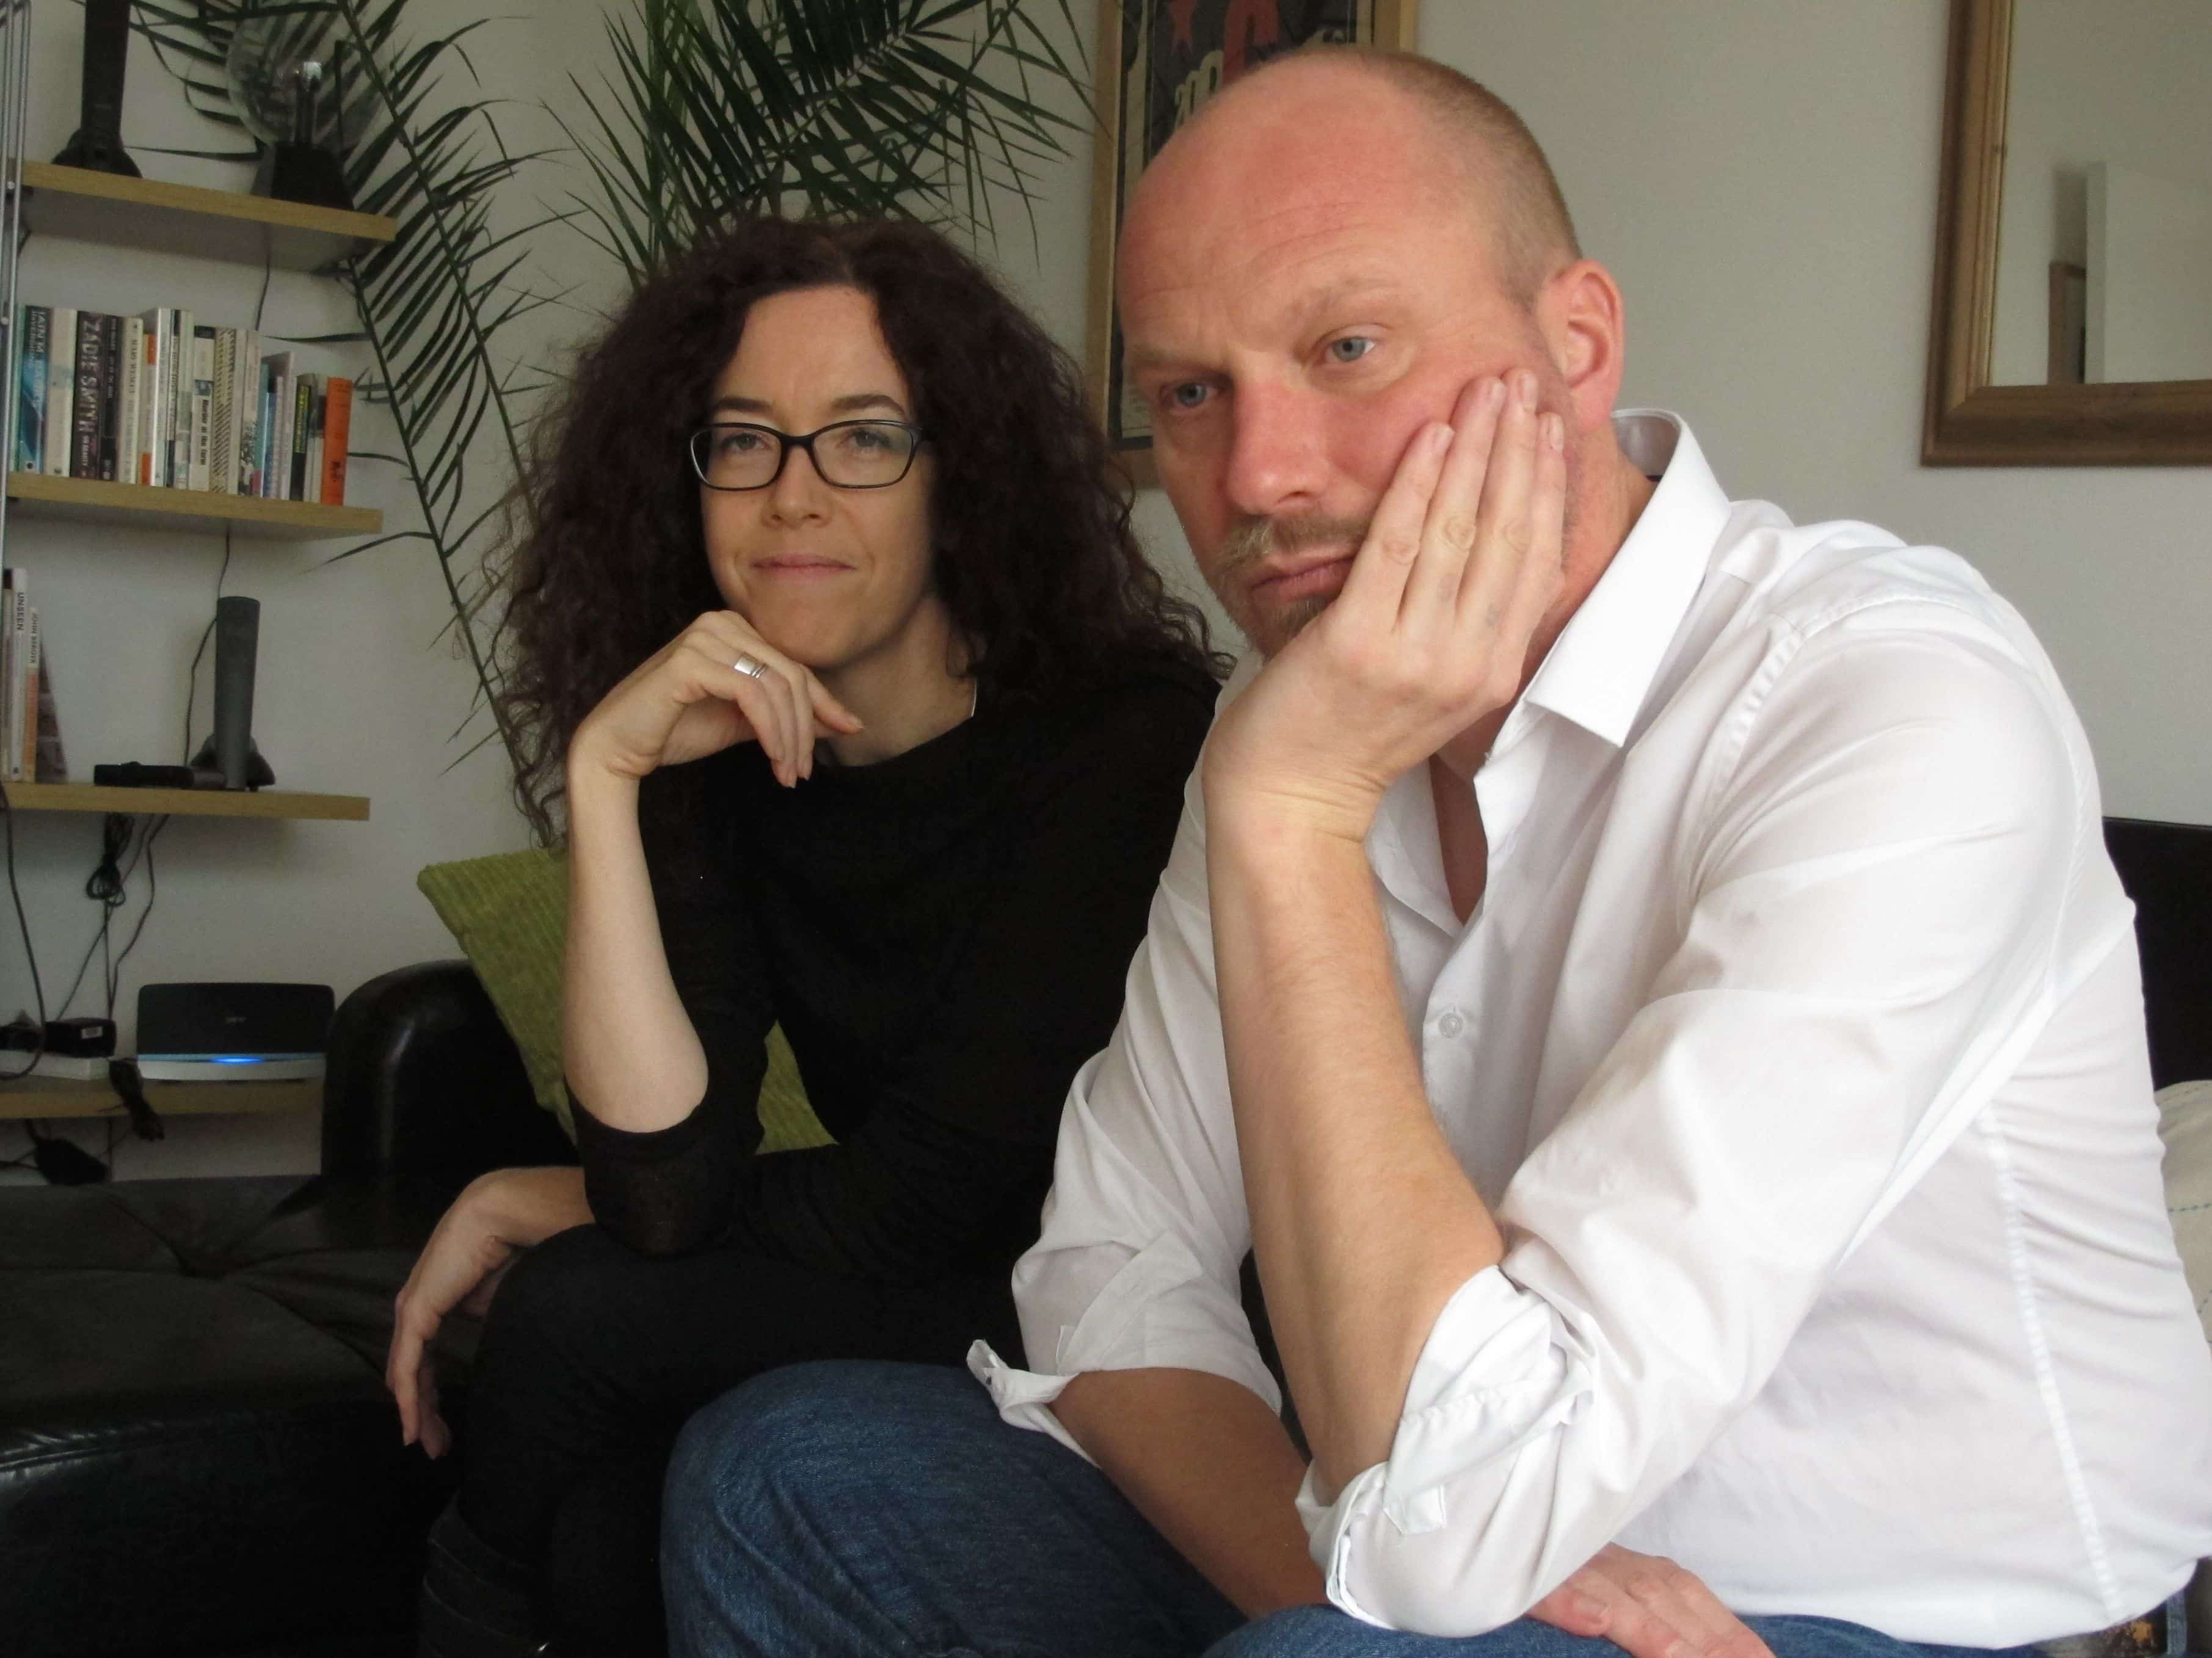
x: 81, y: 205
x: 48, y: 1096
x: 90, y: 500
x: 187, y: 803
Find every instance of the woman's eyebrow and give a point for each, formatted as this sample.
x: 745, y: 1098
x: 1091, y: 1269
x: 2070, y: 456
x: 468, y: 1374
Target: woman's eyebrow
x: 845, y: 406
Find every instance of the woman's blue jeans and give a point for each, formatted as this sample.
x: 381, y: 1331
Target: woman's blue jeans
x: 854, y: 1510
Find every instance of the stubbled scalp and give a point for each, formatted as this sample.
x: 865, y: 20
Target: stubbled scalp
x: 1478, y: 154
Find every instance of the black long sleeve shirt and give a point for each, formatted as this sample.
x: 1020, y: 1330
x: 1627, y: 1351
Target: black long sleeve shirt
x: 944, y: 937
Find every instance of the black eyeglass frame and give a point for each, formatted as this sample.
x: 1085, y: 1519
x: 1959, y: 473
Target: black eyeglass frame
x: 787, y: 441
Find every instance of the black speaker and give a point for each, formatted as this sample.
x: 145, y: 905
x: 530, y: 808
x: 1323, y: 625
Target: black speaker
x: 231, y: 752
x: 99, y: 141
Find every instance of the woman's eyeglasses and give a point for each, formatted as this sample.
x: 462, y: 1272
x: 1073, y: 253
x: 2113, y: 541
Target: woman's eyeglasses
x: 852, y: 454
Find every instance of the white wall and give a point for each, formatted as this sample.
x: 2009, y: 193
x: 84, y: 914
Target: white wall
x: 355, y: 695
x: 1761, y: 179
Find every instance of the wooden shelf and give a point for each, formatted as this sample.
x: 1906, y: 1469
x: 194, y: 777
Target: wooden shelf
x: 198, y: 512
x: 186, y: 803
x: 50, y: 1097
x: 214, y: 224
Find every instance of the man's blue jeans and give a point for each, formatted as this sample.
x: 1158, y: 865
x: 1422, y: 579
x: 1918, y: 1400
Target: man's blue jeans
x: 850, y: 1510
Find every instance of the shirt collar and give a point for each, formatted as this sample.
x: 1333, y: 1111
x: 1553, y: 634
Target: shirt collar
x: 1599, y: 668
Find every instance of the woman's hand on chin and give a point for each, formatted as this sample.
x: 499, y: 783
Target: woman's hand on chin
x: 689, y: 699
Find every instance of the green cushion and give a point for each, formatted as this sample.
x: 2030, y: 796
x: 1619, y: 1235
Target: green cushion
x: 509, y: 913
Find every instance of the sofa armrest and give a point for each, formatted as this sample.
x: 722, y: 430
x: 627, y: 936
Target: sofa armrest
x: 425, y: 1088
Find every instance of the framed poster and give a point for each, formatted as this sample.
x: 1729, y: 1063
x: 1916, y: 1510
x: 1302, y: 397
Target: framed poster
x: 1158, y: 61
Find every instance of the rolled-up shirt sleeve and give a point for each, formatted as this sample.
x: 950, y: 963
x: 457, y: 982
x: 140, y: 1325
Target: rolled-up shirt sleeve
x: 1136, y: 1265
x: 1871, y: 878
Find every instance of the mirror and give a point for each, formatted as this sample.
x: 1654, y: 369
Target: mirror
x: 2072, y: 314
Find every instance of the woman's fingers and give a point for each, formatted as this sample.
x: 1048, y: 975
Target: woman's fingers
x: 827, y: 710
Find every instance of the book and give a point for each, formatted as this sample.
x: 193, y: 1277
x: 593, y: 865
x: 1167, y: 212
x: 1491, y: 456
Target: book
x: 303, y: 409
x: 180, y: 400
x: 27, y: 752
x: 129, y: 413
x: 11, y: 587
x: 202, y: 427
x: 311, y: 485
x: 277, y: 458
x: 158, y: 389
x: 84, y: 415
x: 338, y: 432
x: 52, y: 763
x: 31, y: 390
x: 222, y: 439
x: 110, y: 397
x: 249, y: 411
x: 61, y: 389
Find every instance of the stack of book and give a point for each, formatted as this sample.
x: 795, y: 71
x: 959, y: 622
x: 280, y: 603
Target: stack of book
x: 30, y: 736
x: 160, y: 400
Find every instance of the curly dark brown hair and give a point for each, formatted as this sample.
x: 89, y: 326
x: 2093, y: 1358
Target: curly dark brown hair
x: 604, y: 560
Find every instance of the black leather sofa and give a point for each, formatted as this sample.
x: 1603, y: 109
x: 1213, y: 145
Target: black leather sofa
x: 197, y: 1452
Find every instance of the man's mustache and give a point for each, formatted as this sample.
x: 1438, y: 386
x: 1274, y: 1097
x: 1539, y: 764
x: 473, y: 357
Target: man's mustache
x: 1256, y: 538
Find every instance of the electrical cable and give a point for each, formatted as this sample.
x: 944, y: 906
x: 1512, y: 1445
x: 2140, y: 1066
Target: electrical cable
x: 153, y: 891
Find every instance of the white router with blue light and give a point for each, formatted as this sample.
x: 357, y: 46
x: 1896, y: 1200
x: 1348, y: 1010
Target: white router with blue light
x: 233, y: 1033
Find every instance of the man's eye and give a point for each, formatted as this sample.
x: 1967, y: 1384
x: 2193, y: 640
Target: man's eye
x: 1187, y: 394
x: 1351, y: 349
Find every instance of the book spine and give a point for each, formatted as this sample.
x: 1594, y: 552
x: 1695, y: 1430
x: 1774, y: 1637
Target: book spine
x: 222, y: 444
x: 110, y: 397
x: 263, y: 470
x: 310, y: 487
x: 61, y: 391
x: 249, y: 411
x: 130, y: 462
x: 84, y: 413
x: 19, y: 647
x: 181, y: 398
x: 158, y: 326
x: 30, y: 397
x: 27, y: 751
x: 337, y: 433
x: 202, y: 403
x: 303, y: 411
x: 52, y: 761
x: 8, y: 717
x: 279, y: 426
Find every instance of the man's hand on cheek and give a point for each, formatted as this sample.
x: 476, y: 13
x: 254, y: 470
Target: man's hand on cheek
x: 1649, y: 1607
x: 1429, y: 635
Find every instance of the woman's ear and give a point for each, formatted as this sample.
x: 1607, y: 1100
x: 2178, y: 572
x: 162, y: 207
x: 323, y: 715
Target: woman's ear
x: 1584, y: 325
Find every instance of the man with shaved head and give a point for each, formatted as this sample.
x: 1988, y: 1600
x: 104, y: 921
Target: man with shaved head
x: 1640, y: 980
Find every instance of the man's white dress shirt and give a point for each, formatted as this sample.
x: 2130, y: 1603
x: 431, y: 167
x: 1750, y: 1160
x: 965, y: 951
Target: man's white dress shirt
x: 1798, y: 1046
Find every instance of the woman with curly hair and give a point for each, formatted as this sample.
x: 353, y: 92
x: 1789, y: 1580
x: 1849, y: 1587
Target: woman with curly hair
x: 866, y: 718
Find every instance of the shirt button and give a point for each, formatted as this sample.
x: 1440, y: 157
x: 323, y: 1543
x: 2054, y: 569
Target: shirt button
x: 1451, y: 1024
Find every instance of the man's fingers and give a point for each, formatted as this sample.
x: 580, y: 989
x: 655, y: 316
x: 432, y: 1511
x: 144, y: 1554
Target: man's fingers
x: 1375, y: 586
x: 1507, y: 532
x: 1452, y: 529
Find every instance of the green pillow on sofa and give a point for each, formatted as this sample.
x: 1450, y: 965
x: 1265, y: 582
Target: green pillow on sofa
x: 509, y: 913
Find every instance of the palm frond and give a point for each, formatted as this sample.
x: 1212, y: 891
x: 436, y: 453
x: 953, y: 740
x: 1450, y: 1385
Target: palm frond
x: 432, y: 303
x: 923, y: 108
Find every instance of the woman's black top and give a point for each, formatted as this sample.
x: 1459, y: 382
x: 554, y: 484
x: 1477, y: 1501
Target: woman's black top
x: 944, y: 937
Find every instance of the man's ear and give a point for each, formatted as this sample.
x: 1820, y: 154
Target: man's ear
x: 1585, y: 328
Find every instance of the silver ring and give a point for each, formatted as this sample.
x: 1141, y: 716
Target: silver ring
x: 751, y: 666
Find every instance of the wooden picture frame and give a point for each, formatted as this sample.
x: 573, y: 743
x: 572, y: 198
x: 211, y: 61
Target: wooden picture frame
x: 1968, y: 421
x: 1141, y: 45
